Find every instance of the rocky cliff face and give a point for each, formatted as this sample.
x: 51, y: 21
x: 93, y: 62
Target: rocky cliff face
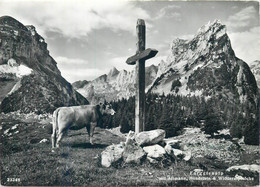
x: 205, y: 66
x: 30, y: 79
x: 113, y: 86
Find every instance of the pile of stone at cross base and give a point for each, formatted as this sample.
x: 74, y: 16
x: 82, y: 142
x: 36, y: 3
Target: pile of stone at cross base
x: 148, y: 146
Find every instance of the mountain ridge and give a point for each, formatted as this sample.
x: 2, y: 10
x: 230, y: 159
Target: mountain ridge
x: 112, y: 86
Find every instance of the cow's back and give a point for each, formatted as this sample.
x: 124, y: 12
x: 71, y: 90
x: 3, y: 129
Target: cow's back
x: 86, y: 113
x: 77, y: 116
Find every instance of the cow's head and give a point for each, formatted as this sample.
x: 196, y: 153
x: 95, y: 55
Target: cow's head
x: 106, y: 109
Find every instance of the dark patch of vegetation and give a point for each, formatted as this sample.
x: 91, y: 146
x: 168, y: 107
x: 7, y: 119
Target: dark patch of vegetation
x: 173, y: 113
x: 175, y: 84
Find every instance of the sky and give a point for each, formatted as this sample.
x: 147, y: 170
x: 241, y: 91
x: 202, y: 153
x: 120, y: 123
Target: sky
x: 87, y: 38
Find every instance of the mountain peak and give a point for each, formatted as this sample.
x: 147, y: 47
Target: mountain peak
x: 213, y: 26
x: 113, y: 72
x: 10, y: 21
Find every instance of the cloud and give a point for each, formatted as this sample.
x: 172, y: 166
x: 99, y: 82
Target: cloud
x: 120, y: 63
x: 246, y: 44
x: 156, y: 60
x: 169, y: 12
x: 186, y: 36
x: 73, y: 69
x: 244, y: 18
x: 75, y: 18
x: 73, y: 74
x: 70, y: 61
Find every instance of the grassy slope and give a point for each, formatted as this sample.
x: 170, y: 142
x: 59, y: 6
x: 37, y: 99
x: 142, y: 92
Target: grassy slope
x: 77, y: 162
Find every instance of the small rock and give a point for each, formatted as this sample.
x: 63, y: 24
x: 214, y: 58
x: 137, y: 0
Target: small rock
x: 12, y: 62
x: 133, y: 153
x: 130, y: 135
x: 43, y: 140
x: 241, y: 141
x: 6, y: 131
x: 155, y: 151
x: 14, y: 127
x: 178, y: 153
x: 187, y: 156
x: 111, y: 154
x: 173, y: 143
x: 169, y: 149
x: 150, y: 137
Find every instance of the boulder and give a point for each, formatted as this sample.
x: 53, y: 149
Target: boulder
x: 150, y: 137
x: 111, y: 154
x: 154, y: 151
x: 133, y: 153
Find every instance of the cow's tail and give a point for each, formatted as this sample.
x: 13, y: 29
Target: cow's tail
x: 54, y: 127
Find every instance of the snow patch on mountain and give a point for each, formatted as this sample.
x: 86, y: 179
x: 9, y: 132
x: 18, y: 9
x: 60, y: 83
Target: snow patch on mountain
x: 13, y: 68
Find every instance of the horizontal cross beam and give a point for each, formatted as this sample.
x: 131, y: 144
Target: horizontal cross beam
x: 144, y: 55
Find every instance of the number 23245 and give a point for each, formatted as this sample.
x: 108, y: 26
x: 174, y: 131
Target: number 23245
x: 13, y: 179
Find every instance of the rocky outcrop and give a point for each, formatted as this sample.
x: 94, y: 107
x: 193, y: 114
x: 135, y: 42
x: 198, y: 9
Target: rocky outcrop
x: 43, y: 89
x: 130, y: 152
x: 205, y: 66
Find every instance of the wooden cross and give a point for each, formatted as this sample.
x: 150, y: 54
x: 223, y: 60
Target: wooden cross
x: 139, y: 59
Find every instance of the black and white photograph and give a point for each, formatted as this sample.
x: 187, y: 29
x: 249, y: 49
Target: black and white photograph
x: 129, y: 93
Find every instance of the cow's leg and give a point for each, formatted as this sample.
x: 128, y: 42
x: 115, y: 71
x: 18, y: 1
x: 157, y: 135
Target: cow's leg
x: 53, y: 140
x: 88, y: 129
x: 92, y: 128
x: 53, y: 136
x: 60, y: 136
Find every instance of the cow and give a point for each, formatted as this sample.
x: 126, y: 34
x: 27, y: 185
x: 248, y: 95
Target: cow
x: 75, y: 118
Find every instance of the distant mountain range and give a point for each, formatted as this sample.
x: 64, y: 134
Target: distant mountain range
x: 29, y: 78
x: 114, y: 85
x: 203, y: 66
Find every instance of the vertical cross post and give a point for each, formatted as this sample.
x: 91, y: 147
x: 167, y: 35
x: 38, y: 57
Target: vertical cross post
x: 139, y: 58
x: 140, y: 79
